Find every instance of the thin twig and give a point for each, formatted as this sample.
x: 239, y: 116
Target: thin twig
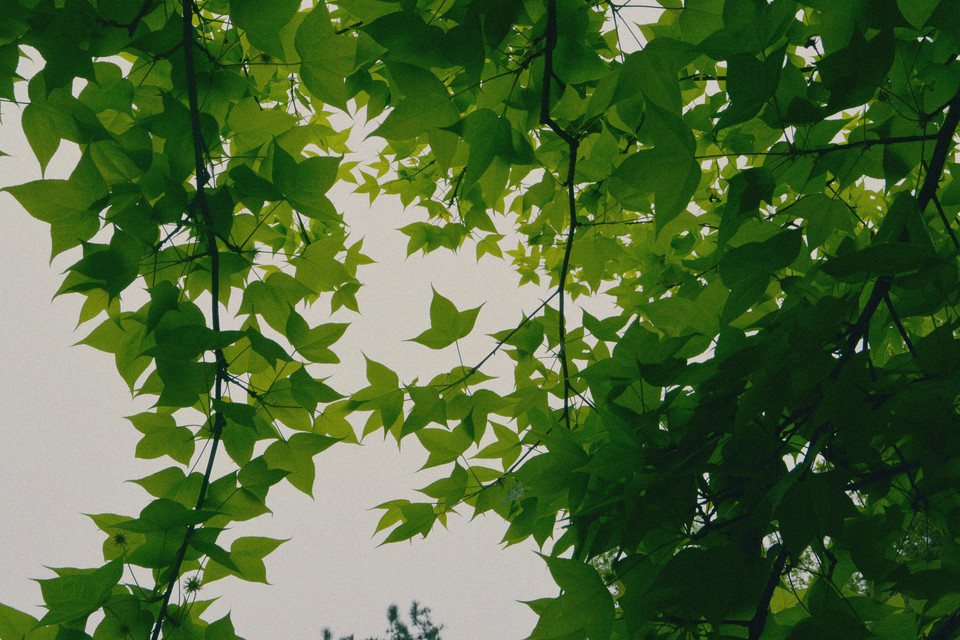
x: 946, y: 223
x: 896, y: 321
x: 502, y: 342
x: 824, y: 150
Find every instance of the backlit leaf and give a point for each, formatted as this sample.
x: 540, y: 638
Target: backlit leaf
x: 77, y: 593
x: 262, y: 22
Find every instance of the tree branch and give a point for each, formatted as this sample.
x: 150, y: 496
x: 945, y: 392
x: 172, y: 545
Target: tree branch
x: 926, y: 194
x: 572, y: 144
x: 828, y: 149
x: 205, y: 228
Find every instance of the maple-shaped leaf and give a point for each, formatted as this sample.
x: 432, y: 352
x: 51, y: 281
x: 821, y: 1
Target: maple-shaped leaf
x: 447, y: 325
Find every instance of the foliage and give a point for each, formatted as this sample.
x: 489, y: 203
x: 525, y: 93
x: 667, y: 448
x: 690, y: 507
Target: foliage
x: 756, y: 205
x: 423, y: 627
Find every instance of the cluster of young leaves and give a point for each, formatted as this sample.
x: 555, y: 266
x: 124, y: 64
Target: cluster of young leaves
x: 758, y: 195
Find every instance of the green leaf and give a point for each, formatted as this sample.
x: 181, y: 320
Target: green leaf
x: 332, y: 421
x: 506, y: 447
x: 256, y: 475
x: 426, y: 104
x: 113, y: 267
x: 680, y: 316
x: 204, y: 541
x: 309, y: 392
x: 917, y: 12
x: 447, y: 325
x: 904, y: 222
x: 318, y: 266
x: 652, y: 72
x: 164, y: 515
x: 585, y: 605
x: 251, y: 189
x: 488, y: 135
x: 881, y: 259
x: 77, y: 593
x: 326, y: 58
x: 449, y: 490
x: 295, y: 456
x: 254, y: 126
x: 852, y: 73
x: 184, y: 382
x: 428, y: 407
x: 383, y: 395
x: 442, y: 445
x: 757, y: 260
x: 16, y: 625
x: 811, y: 509
x: 313, y: 344
x: 263, y: 22
x: 190, y: 341
x: 266, y: 348
x: 668, y: 171
x: 273, y: 298
x: 221, y: 629
x: 409, y: 39
x: 172, y: 483
x: 305, y: 182
x: 40, y: 129
x: 751, y: 84
x: 414, y: 518
x: 247, y: 555
x: 162, y: 436
x: 824, y: 216
x: 64, y: 205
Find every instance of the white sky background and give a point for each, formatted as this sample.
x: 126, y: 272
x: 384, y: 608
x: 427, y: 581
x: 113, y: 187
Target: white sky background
x: 67, y: 450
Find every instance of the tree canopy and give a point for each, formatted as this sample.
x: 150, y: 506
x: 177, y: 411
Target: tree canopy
x: 754, y: 197
x: 397, y: 629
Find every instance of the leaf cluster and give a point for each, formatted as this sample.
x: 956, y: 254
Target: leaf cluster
x: 751, y: 200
